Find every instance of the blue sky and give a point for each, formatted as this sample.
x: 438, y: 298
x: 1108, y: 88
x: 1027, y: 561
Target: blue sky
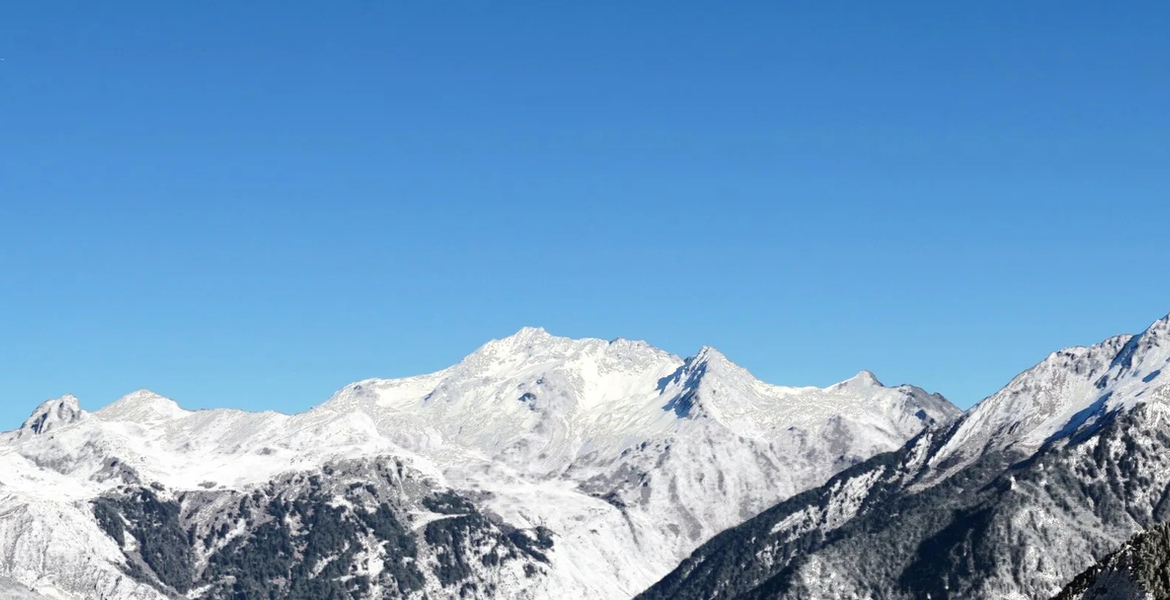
x: 253, y: 204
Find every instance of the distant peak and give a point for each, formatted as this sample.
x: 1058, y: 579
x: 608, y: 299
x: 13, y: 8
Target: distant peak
x: 145, y: 395
x: 537, y: 335
x: 534, y: 345
x: 1160, y: 329
x: 713, y: 358
x: 708, y: 363
x: 526, y: 344
x: 142, y: 405
x: 525, y: 338
x: 1140, y: 347
x: 864, y: 378
x: 55, y: 413
x: 710, y: 353
x: 68, y: 400
x: 531, y: 333
x: 867, y: 377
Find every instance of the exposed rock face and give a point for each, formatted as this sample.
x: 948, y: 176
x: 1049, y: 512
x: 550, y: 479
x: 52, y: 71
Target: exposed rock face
x: 53, y: 414
x: 359, y: 529
x: 1139, y: 570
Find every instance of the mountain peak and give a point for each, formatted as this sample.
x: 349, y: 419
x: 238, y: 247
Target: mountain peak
x: 526, y: 339
x: 532, y: 346
x: 55, y: 413
x: 142, y: 405
x: 1154, y: 338
x: 529, y: 334
x: 516, y: 349
x: 1070, y: 388
x: 710, y: 354
x: 713, y: 358
x: 864, y: 378
x: 710, y: 360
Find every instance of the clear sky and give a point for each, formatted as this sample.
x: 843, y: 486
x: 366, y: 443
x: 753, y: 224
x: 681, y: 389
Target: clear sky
x: 251, y: 204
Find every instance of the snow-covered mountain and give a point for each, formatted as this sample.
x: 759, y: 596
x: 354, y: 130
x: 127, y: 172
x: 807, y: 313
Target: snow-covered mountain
x: 1028, y: 489
x: 537, y: 467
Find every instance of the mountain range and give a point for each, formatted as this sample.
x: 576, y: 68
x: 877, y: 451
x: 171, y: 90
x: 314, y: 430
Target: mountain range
x: 536, y: 467
x: 1018, y: 498
x: 547, y: 467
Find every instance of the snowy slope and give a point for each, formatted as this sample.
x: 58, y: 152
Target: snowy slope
x: 11, y: 590
x: 1024, y: 492
x: 630, y: 456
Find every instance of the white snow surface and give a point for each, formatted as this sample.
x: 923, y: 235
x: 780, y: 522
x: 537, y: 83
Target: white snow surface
x: 630, y: 455
x: 12, y: 590
x: 1065, y: 392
